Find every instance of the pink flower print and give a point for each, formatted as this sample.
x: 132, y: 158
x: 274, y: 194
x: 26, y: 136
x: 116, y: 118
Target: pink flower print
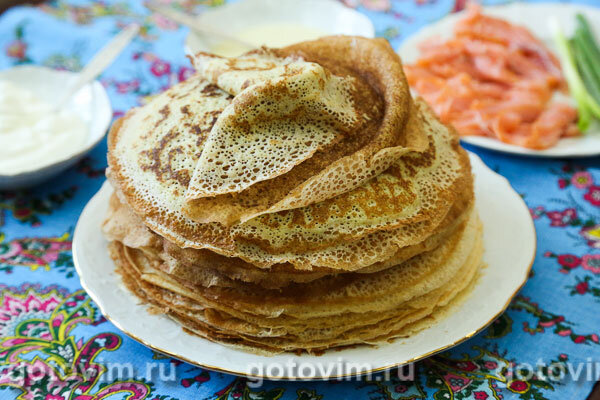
x: 593, y: 195
x: 579, y: 339
x: 490, y: 365
x: 184, y: 73
x: 591, y: 262
x: 518, y: 386
x: 480, y: 395
x: 594, y: 338
x: 52, y: 250
x: 57, y: 320
x: 15, y: 307
x: 568, y: 261
x: 565, y: 332
x: 552, y: 322
x: 53, y: 397
x: 16, y: 49
x: 127, y: 87
x: 467, y: 366
x: 562, y: 183
x: 49, y: 257
x: 536, y: 212
x: 10, y: 250
x: 582, y: 287
x: 160, y: 68
x: 562, y: 218
x: 582, y: 179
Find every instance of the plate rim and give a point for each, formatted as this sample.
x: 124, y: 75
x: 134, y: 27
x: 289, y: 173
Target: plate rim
x: 474, y: 158
x: 507, y: 148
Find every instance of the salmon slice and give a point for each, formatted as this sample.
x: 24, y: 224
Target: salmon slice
x: 494, y: 79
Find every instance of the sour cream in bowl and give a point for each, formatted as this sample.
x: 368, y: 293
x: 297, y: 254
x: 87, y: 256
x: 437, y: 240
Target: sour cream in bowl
x: 37, y: 141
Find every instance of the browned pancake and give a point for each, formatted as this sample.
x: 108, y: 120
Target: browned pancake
x: 198, y: 266
x: 419, y: 189
x: 293, y: 200
x: 380, y: 94
x: 297, y: 320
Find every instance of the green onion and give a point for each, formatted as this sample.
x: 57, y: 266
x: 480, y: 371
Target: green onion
x: 586, y: 33
x: 587, y: 56
x: 589, y: 74
x: 586, y: 103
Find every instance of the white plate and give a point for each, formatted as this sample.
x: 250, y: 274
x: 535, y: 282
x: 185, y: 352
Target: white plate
x: 535, y: 17
x: 510, y: 242
x: 90, y: 102
x: 328, y: 16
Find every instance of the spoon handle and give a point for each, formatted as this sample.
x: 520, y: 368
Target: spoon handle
x: 100, y: 61
x: 194, y: 25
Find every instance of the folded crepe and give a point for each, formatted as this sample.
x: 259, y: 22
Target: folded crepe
x: 332, y: 124
x: 293, y: 199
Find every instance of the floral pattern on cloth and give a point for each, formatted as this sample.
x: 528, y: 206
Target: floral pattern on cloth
x: 37, y: 253
x: 55, y: 345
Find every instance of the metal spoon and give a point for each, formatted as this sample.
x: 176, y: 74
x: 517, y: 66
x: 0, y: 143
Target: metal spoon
x: 100, y: 62
x: 193, y: 24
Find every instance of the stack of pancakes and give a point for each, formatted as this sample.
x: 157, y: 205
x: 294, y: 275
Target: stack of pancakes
x: 293, y: 199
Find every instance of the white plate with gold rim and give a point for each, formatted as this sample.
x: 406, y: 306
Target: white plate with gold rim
x: 510, y: 244
x: 535, y: 17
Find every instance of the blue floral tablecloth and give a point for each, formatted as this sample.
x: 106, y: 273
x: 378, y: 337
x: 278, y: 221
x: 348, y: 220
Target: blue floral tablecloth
x: 48, y: 325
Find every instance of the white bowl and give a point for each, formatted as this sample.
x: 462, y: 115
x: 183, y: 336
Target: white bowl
x: 91, y: 103
x: 327, y: 16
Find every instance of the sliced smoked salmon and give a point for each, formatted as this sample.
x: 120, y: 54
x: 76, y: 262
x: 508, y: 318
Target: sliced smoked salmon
x: 494, y: 79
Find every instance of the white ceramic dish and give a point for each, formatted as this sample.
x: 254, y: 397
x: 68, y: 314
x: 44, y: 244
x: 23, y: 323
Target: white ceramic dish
x: 535, y: 17
x: 328, y: 16
x: 91, y: 103
x: 510, y: 243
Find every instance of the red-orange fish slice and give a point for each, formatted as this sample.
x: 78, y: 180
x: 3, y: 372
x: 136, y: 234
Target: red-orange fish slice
x: 494, y: 79
x: 551, y: 125
x: 496, y: 30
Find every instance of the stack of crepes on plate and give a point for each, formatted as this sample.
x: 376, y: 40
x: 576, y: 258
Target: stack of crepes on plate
x: 293, y: 199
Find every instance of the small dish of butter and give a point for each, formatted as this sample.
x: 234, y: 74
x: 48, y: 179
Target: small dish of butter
x: 275, y: 23
x: 37, y: 139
